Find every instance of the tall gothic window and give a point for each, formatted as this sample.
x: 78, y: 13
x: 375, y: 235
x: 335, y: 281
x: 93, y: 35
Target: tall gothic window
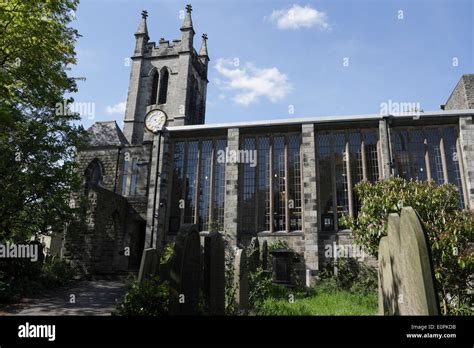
x: 326, y: 192
x: 419, y: 154
x: 205, y: 185
x: 263, y: 184
x: 123, y: 189
x: 270, y: 199
x: 248, y: 190
x: 93, y: 174
x: 344, y: 159
x: 154, y: 88
x: 177, y: 187
x: 191, y: 182
x: 163, y: 92
x: 133, y: 177
x: 191, y: 109
x: 356, y: 164
x: 198, y: 184
x: 219, y: 186
x: 294, y: 183
x: 279, y: 184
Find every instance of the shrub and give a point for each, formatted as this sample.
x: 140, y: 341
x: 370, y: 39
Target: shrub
x: 450, y: 230
x: 56, y: 272
x: 21, y: 277
x: 260, y: 288
x: 150, y: 297
x: 230, y: 290
x: 352, y: 275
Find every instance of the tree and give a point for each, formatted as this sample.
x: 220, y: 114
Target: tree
x: 37, y: 143
x: 450, y: 231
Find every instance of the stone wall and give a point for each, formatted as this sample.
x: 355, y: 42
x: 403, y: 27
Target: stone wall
x: 105, y: 225
x: 310, y: 199
x: 108, y: 157
x: 462, y: 96
x: 466, y: 142
x: 232, y: 189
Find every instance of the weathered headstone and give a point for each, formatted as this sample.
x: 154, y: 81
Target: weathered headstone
x: 148, y: 265
x: 241, y: 280
x: 254, y: 255
x: 214, y: 273
x: 406, y: 277
x: 186, y: 271
x: 265, y: 255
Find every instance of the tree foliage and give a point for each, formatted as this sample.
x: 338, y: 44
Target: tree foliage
x: 37, y: 143
x: 450, y: 230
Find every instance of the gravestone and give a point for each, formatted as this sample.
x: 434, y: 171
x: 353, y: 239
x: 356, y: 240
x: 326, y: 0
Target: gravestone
x: 214, y: 273
x: 254, y: 255
x: 265, y: 255
x: 148, y: 265
x: 406, y: 277
x: 186, y: 271
x: 241, y: 280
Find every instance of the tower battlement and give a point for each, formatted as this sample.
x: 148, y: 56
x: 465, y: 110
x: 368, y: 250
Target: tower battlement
x: 170, y: 76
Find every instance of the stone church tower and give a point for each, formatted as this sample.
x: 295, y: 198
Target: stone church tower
x: 123, y: 169
x: 169, y: 76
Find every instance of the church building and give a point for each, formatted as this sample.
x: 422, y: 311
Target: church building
x: 283, y: 179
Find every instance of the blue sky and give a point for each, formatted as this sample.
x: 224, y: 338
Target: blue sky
x: 295, y: 58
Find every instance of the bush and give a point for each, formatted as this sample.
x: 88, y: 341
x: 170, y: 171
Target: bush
x: 230, y: 289
x: 56, y: 272
x: 260, y: 288
x: 151, y: 297
x: 450, y: 230
x: 352, y: 276
x: 22, y: 277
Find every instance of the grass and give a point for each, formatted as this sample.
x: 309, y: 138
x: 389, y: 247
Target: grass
x: 324, y: 301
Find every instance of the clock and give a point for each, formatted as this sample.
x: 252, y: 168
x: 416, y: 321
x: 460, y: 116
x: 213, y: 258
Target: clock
x: 155, y: 120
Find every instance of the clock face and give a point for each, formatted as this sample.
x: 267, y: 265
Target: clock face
x: 155, y: 120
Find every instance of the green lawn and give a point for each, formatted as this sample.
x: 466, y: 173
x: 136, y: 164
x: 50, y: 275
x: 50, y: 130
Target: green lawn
x: 323, y: 302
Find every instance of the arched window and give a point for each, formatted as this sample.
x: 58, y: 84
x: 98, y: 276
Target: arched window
x: 191, y: 110
x: 93, y: 174
x: 154, y: 88
x: 163, y: 86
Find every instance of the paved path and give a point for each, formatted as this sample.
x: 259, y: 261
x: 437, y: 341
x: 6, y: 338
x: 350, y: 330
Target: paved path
x: 96, y: 297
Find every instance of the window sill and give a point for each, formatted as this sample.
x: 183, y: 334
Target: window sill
x: 280, y: 233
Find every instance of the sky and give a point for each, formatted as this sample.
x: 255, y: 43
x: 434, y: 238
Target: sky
x: 283, y: 59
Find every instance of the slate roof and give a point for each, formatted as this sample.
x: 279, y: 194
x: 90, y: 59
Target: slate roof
x: 106, y: 134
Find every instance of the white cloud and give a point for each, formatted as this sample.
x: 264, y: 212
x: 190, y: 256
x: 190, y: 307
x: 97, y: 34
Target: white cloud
x: 118, y: 108
x: 298, y: 17
x: 252, y: 83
